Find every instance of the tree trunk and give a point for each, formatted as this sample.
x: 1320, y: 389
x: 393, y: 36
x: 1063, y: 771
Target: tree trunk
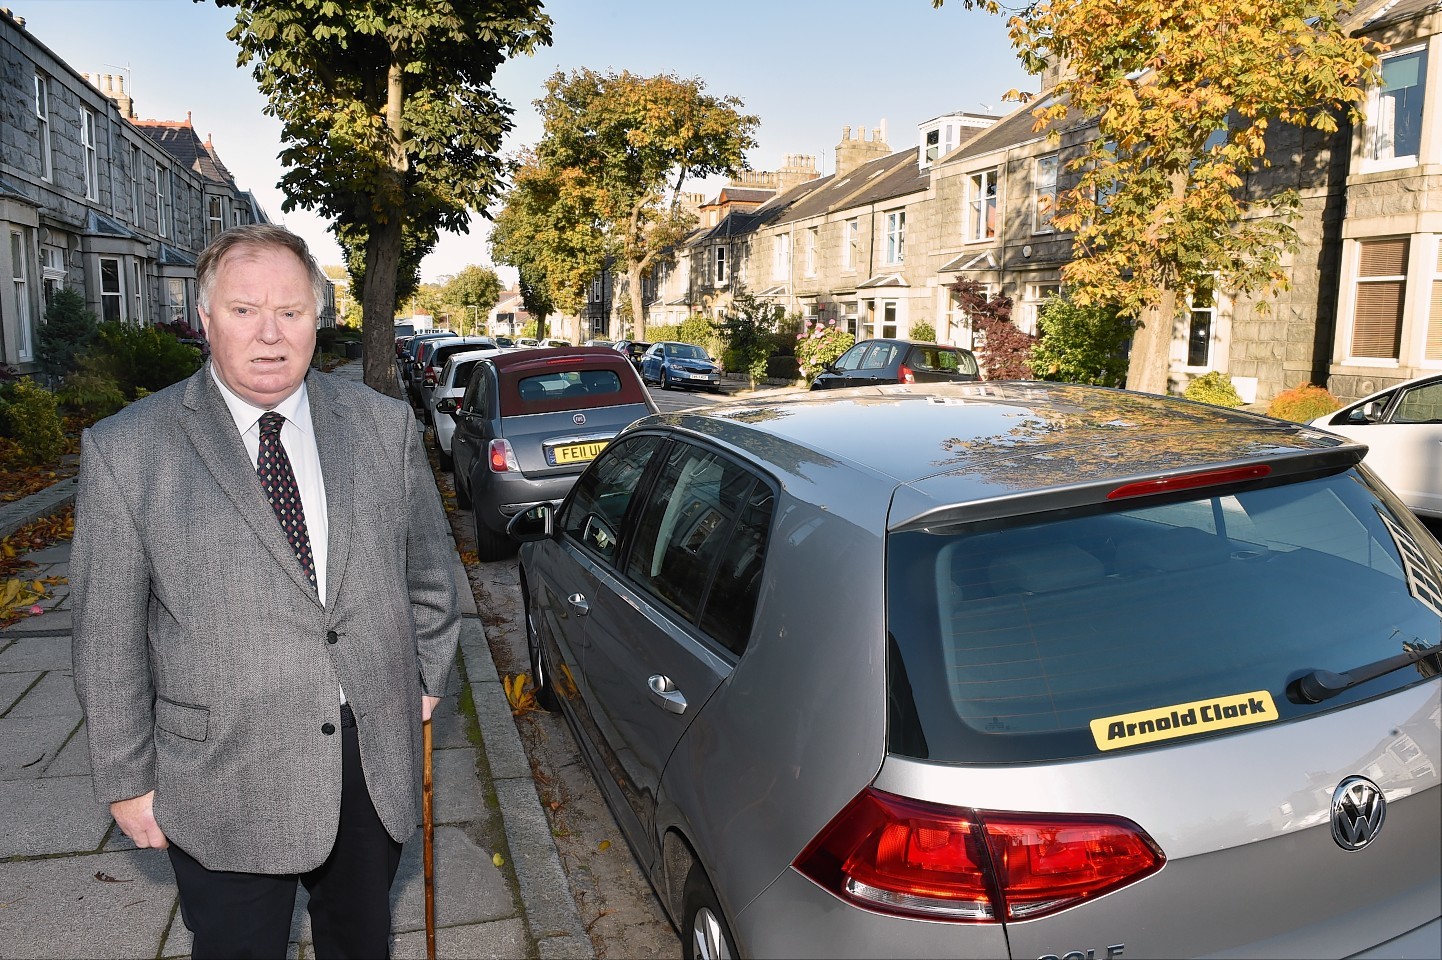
x: 378, y: 307
x: 1149, y: 366
x: 638, y: 319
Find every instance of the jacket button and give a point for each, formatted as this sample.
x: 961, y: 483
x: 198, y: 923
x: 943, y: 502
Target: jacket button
x: 327, y: 728
x: 330, y: 636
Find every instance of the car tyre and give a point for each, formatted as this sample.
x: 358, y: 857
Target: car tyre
x: 545, y: 691
x: 492, y: 546
x: 665, y: 379
x: 705, y: 934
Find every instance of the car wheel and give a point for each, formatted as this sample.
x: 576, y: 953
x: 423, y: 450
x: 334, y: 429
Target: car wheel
x: 463, y: 490
x: 490, y: 545
x: 540, y: 675
x: 705, y: 935
x: 665, y: 379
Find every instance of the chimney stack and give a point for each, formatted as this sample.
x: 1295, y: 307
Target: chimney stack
x: 852, y: 153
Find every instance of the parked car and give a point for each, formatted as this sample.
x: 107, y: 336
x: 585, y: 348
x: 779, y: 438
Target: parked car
x: 436, y: 358
x: 527, y: 342
x: 1002, y: 670
x: 555, y: 342
x: 897, y: 361
x: 633, y: 349
x: 529, y: 422
x: 1402, y: 428
x: 674, y: 364
x: 505, y: 341
x: 406, y: 365
x: 597, y: 342
x: 446, y: 397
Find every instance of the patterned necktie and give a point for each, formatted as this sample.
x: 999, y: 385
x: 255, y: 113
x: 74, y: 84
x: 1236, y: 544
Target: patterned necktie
x: 278, y: 480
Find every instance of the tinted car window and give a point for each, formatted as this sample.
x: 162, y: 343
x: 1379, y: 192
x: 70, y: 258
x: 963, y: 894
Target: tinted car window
x: 684, y: 533
x: 880, y: 355
x: 1031, y: 642
x: 461, y: 374
x: 851, y: 359
x: 731, y: 603
x: 602, y: 494
x: 940, y: 359
x: 1420, y: 405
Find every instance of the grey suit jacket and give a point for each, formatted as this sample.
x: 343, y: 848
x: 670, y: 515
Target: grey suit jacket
x: 208, y: 668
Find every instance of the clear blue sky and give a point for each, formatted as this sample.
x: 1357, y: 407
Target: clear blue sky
x: 806, y: 69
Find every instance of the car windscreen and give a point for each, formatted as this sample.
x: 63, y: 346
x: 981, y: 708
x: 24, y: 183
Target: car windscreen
x: 1067, y: 636
x: 686, y: 351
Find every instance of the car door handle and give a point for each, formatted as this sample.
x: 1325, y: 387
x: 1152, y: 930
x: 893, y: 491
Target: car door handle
x: 665, y: 692
x: 579, y: 603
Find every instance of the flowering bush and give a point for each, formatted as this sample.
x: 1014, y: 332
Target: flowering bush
x: 819, y: 344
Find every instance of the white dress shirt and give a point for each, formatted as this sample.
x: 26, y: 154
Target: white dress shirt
x: 298, y: 437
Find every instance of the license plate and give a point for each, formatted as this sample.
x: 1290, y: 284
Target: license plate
x: 577, y: 452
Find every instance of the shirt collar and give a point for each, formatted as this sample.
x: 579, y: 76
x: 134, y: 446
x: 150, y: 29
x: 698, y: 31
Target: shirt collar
x: 295, y: 408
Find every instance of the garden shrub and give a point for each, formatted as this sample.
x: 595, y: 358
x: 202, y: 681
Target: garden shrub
x: 819, y: 344
x: 1214, y: 388
x: 1303, y: 404
x: 91, y: 395
x: 30, y: 416
x: 139, y: 358
x: 923, y: 331
x: 745, y: 328
x: 69, y: 331
x: 1081, y: 344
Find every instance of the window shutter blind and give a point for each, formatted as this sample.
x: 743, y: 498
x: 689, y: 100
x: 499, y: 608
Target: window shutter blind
x: 1433, y: 350
x: 1377, y: 320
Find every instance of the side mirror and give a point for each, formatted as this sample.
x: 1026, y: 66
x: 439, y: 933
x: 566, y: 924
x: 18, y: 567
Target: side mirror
x: 532, y: 524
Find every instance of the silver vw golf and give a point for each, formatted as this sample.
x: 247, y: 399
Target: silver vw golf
x: 1002, y: 670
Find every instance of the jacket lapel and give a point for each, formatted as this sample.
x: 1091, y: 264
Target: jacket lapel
x: 333, y: 422
x: 206, y: 420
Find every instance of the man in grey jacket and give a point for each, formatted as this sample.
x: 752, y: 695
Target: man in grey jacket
x: 264, y: 615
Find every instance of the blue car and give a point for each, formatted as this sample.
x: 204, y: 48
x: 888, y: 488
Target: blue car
x: 674, y: 364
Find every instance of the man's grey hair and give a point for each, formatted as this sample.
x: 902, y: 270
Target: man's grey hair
x: 256, y: 236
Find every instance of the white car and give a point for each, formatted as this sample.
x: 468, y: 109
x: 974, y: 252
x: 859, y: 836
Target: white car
x: 1402, y: 428
x: 446, y: 397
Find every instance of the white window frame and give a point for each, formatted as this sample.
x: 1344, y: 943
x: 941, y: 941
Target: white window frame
x: 52, y: 275
x: 781, y: 259
x: 162, y: 199
x: 1377, y: 132
x: 20, y: 284
x: 1043, y: 191
x: 111, y: 297
x: 137, y: 180
x: 718, y: 260
x: 896, y: 237
x: 1359, y: 282
x: 850, y: 244
x: 1033, y: 295
x: 979, y: 226
x: 42, y: 130
x: 811, y: 237
x: 91, y: 158
x: 1195, y: 313
x: 1432, y: 332
x: 138, y: 292
x: 215, y: 215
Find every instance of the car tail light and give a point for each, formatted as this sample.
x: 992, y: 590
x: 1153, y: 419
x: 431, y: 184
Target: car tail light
x: 914, y: 859
x: 501, y: 457
x: 904, y: 375
x: 1189, y: 481
x: 431, y: 374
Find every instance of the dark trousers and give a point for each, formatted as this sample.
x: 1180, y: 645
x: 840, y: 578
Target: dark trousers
x: 248, y: 914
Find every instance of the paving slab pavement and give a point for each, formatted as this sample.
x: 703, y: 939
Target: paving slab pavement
x: 71, y: 885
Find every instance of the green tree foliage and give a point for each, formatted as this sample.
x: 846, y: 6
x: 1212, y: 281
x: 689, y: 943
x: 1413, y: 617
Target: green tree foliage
x: 68, y: 332
x: 140, y: 360
x: 604, y: 183
x: 470, y: 295
x: 923, y: 331
x: 1081, y: 344
x: 745, y: 329
x: 391, y: 126
x: 1187, y: 101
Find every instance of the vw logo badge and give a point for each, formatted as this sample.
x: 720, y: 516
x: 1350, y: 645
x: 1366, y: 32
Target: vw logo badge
x: 578, y: 418
x: 1358, y: 809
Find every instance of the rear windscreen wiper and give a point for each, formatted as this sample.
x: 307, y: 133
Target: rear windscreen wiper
x: 1322, y: 685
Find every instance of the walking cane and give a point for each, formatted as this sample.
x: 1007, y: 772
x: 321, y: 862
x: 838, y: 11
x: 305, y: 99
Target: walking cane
x: 428, y: 827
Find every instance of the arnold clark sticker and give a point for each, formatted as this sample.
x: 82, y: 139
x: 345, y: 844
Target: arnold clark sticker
x: 1183, y: 720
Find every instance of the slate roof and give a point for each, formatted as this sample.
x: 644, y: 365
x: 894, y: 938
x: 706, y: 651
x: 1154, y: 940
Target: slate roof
x: 179, y: 139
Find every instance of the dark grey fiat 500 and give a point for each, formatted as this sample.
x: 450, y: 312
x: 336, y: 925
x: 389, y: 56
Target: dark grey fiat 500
x: 1002, y: 670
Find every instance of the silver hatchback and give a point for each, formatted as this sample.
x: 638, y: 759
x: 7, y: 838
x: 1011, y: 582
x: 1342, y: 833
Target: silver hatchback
x: 1002, y: 670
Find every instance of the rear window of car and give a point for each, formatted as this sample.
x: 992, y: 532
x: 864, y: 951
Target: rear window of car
x: 570, y: 388
x: 1072, y: 635
x: 939, y: 359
